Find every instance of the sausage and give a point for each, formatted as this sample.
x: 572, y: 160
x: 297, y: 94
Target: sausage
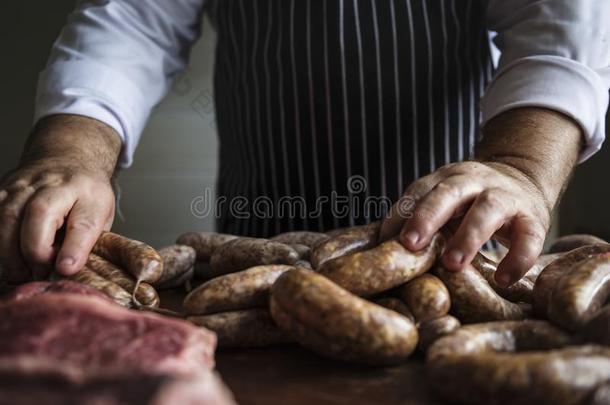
x: 243, y: 253
x: 302, y: 250
x: 478, y: 364
x: 204, y: 243
x: 500, y: 336
x: 473, y: 300
x: 597, y: 330
x: 384, y: 267
x: 434, y: 329
x: 565, y: 376
x: 139, y: 259
x: 520, y: 291
x: 241, y: 290
x: 145, y: 295
x: 345, y: 242
x: 113, y: 290
x: 246, y: 328
x: 396, y: 305
x: 331, y: 321
x: 580, y: 293
x: 542, y: 261
x: 545, y: 283
x: 426, y: 296
x: 309, y: 239
x: 177, y: 282
x: 177, y: 260
x: 571, y: 242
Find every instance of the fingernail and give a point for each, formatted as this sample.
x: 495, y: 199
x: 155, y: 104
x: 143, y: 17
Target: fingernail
x: 503, y: 279
x: 455, y: 256
x: 66, y: 262
x: 412, y: 237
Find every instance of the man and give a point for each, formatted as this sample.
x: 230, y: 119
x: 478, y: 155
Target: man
x: 312, y: 94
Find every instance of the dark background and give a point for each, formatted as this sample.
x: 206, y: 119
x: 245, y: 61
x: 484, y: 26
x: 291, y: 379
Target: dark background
x: 162, y: 189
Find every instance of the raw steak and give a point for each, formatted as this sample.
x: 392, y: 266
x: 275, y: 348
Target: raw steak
x: 101, y: 337
x: 35, y: 288
x: 62, y: 342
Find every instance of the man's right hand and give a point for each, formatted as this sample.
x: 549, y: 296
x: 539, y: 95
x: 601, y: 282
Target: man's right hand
x: 63, y: 182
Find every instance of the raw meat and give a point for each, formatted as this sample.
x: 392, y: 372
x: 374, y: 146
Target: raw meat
x: 62, y: 342
x: 35, y: 288
x: 88, y: 332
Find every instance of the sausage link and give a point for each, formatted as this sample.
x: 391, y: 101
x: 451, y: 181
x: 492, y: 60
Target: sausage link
x: 434, y: 329
x: 113, y: 290
x: 571, y: 242
x: 482, y: 364
x: 180, y: 281
x: 243, y: 253
x: 473, y: 300
x: 303, y: 250
x: 597, y: 330
x: 329, y: 320
x: 146, y: 295
x: 520, y: 291
x: 177, y: 260
x: 140, y: 260
x: 204, y: 243
x: 426, y: 296
x: 241, y: 290
x: 309, y: 239
x: 346, y: 241
x: 396, y: 305
x: 246, y: 328
x: 546, y: 281
x: 384, y: 267
x: 580, y: 293
x: 542, y: 261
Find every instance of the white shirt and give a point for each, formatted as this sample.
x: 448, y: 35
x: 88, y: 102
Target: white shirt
x: 115, y: 60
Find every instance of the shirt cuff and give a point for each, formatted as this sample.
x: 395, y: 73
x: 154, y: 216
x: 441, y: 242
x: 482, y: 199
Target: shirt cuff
x: 556, y: 83
x: 83, y: 88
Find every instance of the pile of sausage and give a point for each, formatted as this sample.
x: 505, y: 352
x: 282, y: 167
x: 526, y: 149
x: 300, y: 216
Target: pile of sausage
x: 130, y: 272
x: 348, y: 296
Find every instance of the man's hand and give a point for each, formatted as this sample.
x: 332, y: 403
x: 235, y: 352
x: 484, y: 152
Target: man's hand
x: 63, y: 182
x: 523, y: 164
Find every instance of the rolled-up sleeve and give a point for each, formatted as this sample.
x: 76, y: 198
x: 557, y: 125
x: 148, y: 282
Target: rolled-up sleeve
x: 555, y: 54
x: 115, y: 59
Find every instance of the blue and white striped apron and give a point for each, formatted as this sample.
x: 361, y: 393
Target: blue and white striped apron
x: 311, y: 94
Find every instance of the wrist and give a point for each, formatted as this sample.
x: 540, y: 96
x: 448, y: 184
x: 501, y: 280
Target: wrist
x: 541, y: 145
x: 73, y: 141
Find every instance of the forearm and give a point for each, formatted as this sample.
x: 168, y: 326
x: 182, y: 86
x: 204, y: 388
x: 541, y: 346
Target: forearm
x: 74, y: 140
x: 543, y: 145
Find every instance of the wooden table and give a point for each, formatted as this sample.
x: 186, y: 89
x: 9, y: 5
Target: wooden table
x: 291, y: 375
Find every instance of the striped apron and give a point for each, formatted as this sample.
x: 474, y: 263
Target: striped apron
x: 326, y: 106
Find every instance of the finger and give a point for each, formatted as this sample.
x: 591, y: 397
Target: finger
x: 447, y: 198
x: 44, y: 214
x: 527, y: 239
x: 403, y: 208
x: 11, y: 212
x: 84, y: 225
x: 490, y: 210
